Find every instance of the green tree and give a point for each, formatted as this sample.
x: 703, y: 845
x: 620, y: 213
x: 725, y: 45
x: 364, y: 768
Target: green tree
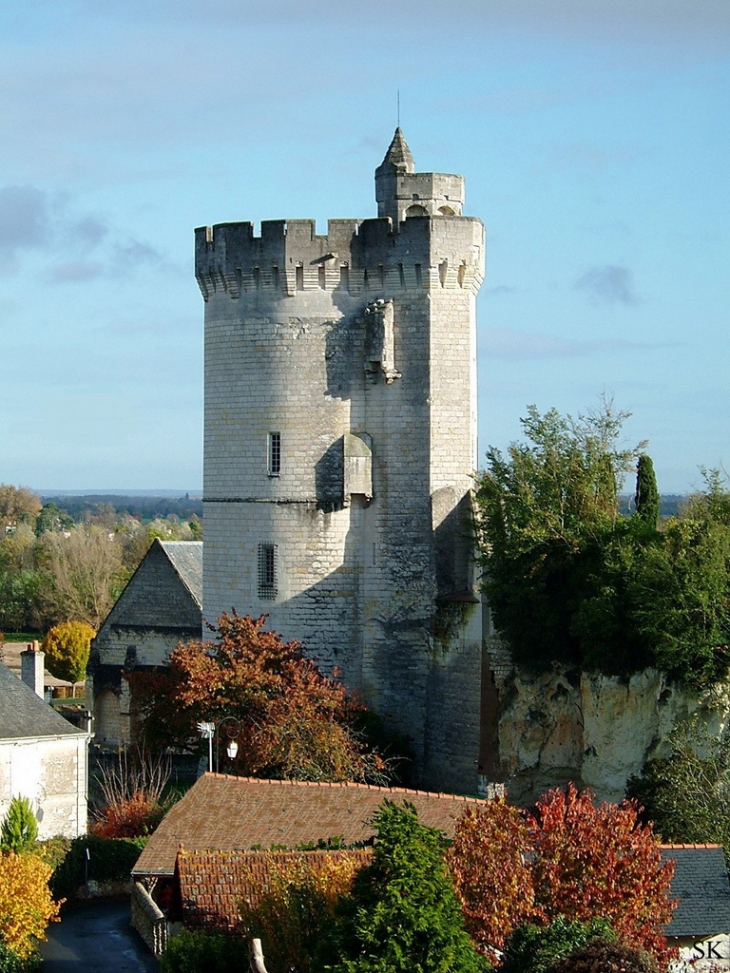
x: 647, y: 494
x: 67, y: 649
x: 402, y: 914
x: 18, y: 505
x: 19, y: 829
x: 687, y: 793
x: 536, y: 949
x: 546, y: 511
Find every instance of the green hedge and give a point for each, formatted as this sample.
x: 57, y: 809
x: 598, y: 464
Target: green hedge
x: 198, y: 952
x: 110, y: 860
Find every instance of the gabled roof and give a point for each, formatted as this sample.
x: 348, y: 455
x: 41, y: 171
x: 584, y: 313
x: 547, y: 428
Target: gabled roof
x: 24, y: 715
x: 222, y: 813
x: 701, y: 884
x: 166, y: 590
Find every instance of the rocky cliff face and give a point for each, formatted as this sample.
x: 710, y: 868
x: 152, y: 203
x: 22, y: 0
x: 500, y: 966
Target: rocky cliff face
x: 595, y: 730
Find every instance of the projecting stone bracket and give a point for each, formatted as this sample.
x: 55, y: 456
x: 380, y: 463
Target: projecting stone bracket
x: 379, y: 342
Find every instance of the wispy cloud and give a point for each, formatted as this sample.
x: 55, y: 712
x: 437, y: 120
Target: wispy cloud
x: 518, y: 345
x: 608, y: 285
x: 74, y: 271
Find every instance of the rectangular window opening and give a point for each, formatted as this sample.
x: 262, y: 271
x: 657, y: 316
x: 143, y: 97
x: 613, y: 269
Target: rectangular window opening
x: 275, y: 277
x: 419, y: 277
x: 402, y: 276
x: 321, y: 279
x: 274, y: 453
x: 299, y: 271
x: 257, y: 277
x: 345, y: 277
x: 267, y: 571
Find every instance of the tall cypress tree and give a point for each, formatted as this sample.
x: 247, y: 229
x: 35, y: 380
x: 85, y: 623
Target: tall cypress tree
x: 647, y: 494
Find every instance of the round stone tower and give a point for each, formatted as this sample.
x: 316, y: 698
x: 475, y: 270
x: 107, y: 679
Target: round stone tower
x: 340, y: 444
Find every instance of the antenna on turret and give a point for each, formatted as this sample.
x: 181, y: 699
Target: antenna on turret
x: 398, y: 97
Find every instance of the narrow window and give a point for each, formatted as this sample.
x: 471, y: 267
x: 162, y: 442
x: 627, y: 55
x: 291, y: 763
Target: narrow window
x: 321, y: 277
x: 345, y: 277
x: 274, y: 453
x: 443, y: 270
x: 267, y: 571
x: 257, y: 277
x: 462, y: 274
x: 381, y: 276
x: 402, y: 275
x: 300, y: 277
x: 419, y: 277
x: 365, y: 281
x: 275, y: 277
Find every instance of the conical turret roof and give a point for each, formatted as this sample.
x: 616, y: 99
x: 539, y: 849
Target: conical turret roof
x: 398, y: 154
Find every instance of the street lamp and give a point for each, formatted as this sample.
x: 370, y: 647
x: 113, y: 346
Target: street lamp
x: 208, y: 730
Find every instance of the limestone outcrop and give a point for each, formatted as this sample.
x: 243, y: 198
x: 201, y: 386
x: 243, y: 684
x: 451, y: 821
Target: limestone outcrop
x: 593, y: 729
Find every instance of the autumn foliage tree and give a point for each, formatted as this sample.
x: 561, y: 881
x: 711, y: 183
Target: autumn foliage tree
x: 26, y: 905
x: 293, y: 722
x: 578, y: 860
x: 67, y: 649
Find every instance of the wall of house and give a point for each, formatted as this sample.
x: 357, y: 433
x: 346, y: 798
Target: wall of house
x: 52, y: 774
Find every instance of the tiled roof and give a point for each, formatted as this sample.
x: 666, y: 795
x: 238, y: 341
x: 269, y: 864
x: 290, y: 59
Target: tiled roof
x: 701, y: 884
x: 239, y: 813
x: 24, y: 715
x: 212, y: 884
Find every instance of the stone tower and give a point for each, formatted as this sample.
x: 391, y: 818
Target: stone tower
x: 340, y: 444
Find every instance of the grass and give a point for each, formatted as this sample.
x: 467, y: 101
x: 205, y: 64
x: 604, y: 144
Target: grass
x: 22, y: 636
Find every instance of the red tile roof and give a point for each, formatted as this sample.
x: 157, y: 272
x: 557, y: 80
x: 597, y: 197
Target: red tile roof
x: 213, y: 884
x: 240, y: 813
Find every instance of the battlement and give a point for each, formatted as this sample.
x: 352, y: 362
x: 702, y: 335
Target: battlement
x: 356, y: 257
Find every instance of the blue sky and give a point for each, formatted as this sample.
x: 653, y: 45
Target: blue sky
x: 593, y: 136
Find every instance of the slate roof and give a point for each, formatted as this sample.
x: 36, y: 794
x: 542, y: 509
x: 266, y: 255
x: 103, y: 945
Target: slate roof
x: 212, y: 884
x: 701, y: 884
x: 24, y: 715
x: 398, y: 154
x: 187, y: 559
x: 221, y: 813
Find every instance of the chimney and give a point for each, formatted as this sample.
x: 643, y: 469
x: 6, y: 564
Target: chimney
x: 31, y: 668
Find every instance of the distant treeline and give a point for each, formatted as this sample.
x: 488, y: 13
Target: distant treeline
x: 141, y: 508
x: 670, y: 504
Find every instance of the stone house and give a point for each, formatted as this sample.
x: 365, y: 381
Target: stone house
x: 43, y: 757
x: 160, y: 606
x: 208, y: 840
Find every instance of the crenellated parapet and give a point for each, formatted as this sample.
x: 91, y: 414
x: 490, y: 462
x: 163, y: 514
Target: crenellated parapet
x: 355, y: 257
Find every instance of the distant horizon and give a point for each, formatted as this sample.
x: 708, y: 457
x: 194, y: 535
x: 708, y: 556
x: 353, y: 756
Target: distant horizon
x: 192, y: 493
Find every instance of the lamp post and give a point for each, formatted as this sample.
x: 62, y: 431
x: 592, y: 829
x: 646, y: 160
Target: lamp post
x: 208, y: 730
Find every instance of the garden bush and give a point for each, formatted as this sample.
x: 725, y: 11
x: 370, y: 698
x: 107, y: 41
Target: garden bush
x: 110, y: 860
x: 536, y: 949
x: 198, y: 952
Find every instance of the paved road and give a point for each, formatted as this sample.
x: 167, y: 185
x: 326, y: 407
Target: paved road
x: 96, y: 938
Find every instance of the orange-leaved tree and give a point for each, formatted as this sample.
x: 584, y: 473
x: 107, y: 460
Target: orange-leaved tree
x: 601, y: 860
x: 492, y: 873
x: 26, y: 904
x: 570, y: 858
x: 288, y: 719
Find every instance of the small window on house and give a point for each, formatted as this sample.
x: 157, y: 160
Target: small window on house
x: 274, y: 453
x: 267, y: 571
x: 299, y: 271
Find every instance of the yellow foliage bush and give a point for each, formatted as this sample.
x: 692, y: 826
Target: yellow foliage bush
x: 67, y: 649
x: 26, y: 904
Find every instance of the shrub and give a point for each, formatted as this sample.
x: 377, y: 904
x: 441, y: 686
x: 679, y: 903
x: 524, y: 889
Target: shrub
x: 19, y: 829
x: 67, y: 649
x: 132, y: 791
x: 110, y: 860
x: 600, y: 956
x: 10, y: 962
x: 536, y: 949
x: 26, y: 906
x: 290, y: 916
x: 197, y: 952
x: 402, y: 914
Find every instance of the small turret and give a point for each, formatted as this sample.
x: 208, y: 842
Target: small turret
x: 401, y: 192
